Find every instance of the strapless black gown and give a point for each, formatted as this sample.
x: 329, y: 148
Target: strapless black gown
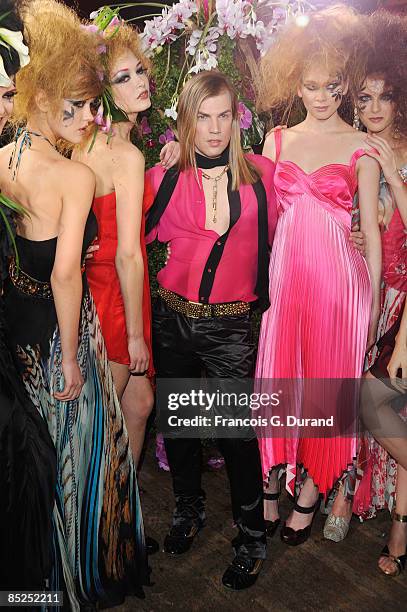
x: 99, y: 538
x: 27, y: 472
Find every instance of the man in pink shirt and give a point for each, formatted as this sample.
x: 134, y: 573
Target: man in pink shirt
x: 217, y: 211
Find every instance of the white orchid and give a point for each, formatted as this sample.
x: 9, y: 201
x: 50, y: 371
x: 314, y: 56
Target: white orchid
x: 171, y: 113
x: 5, y: 80
x: 9, y: 38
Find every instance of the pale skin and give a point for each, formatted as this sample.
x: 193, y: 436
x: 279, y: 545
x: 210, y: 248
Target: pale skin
x: 377, y: 111
x: 212, y: 136
x: 323, y: 138
x: 57, y: 194
x: 119, y: 167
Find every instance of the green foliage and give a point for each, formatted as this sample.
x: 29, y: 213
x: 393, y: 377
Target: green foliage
x: 226, y: 60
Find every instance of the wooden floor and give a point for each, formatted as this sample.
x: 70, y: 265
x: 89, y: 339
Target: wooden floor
x: 319, y: 575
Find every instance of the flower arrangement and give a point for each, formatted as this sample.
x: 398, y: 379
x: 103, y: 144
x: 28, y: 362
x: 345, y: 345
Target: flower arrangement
x: 196, y: 35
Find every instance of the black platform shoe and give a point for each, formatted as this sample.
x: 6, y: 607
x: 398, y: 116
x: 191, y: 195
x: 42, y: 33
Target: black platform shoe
x: 152, y: 546
x: 295, y: 538
x: 400, y: 561
x: 271, y: 526
x: 242, y: 573
x: 180, y: 537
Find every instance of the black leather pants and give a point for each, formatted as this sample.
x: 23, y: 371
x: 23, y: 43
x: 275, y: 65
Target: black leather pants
x: 221, y: 346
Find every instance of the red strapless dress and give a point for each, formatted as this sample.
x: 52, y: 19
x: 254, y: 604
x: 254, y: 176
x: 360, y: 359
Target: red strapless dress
x: 104, y: 281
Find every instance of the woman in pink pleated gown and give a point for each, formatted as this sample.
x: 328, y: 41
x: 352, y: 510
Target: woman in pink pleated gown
x: 324, y: 295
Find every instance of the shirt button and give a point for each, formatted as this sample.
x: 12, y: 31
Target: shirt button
x: 202, y: 298
x: 219, y: 243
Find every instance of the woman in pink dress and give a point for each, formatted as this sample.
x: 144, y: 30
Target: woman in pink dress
x: 324, y: 295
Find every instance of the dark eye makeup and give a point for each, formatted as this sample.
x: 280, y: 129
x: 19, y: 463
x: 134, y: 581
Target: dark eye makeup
x: 77, y: 103
x: 122, y: 78
x: 9, y: 95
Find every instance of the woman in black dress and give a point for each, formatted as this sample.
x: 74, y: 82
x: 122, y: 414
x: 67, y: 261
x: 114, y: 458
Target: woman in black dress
x: 51, y: 322
x: 27, y: 455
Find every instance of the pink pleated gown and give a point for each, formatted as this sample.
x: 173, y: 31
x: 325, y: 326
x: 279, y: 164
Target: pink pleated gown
x: 320, y: 296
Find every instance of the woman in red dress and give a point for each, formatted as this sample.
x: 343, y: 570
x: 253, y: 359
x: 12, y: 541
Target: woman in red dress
x: 117, y: 271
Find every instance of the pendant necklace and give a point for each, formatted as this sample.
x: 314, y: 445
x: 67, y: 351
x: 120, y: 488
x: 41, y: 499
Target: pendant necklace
x: 215, y: 180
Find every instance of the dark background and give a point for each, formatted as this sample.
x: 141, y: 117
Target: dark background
x: 85, y: 7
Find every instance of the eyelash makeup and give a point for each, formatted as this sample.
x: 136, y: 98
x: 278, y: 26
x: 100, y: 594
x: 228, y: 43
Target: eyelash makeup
x: 9, y: 95
x: 363, y: 100
x: 125, y: 77
x: 121, y: 79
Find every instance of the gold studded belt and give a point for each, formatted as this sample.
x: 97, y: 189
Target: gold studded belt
x: 28, y: 285
x: 195, y: 310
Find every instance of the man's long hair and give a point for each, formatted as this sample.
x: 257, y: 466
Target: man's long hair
x: 200, y: 87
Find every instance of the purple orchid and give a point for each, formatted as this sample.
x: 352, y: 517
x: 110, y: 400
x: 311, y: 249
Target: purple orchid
x: 99, y: 119
x: 93, y: 29
x: 246, y: 116
x: 168, y: 136
x: 145, y: 127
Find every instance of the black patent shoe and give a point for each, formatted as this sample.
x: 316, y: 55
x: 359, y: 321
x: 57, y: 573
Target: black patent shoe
x: 242, y: 573
x: 295, y: 538
x: 152, y: 546
x: 271, y: 526
x: 180, y: 537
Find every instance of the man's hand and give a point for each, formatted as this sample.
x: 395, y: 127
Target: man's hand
x: 169, y: 154
x: 358, y: 240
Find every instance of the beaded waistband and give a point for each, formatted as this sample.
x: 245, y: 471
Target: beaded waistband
x: 198, y: 309
x: 28, y: 285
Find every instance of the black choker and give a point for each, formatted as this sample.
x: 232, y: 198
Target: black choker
x: 206, y: 163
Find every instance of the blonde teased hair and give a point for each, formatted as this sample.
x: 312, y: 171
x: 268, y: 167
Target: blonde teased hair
x: 124, y: 38
x: 331, y: 40
x: 65, y: 62
x: 205, y: 85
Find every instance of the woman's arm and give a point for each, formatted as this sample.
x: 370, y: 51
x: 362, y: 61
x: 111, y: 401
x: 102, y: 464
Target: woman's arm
x: 368, y: 187
x: 66, y: 278
x: 128, y: 180
x: 383, y: 153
